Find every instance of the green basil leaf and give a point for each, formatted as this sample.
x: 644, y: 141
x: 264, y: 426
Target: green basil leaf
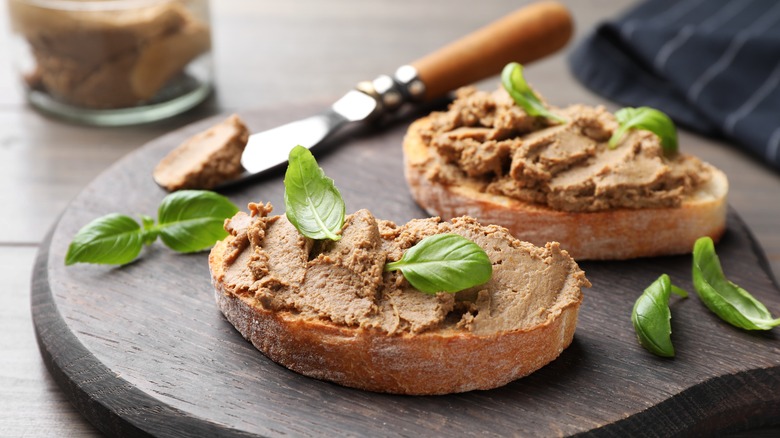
x: 114, y: 239
x: 514, y: 83
x: 444, y: 262
x: 193, y: 220
x: 314, y: 204
x: 648, y: 119
x: 651, y: 317
x: 724, y: 298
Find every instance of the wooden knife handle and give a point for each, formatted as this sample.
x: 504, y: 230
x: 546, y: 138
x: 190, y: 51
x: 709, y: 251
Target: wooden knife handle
x: 523, y: 36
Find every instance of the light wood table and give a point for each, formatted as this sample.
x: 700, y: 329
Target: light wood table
x: 267, y: 53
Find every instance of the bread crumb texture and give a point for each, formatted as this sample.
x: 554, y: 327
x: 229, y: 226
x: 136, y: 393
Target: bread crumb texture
x: 487, y: 139
x: 266, y: 259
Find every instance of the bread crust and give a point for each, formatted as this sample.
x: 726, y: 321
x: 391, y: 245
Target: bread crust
x: 603, y: 235
x: 427, y: 363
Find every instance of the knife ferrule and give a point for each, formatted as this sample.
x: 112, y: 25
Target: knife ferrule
x: 391, y: 92
x: 410, y: 83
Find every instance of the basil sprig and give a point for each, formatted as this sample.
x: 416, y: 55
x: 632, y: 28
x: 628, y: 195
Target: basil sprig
x: 649, y: 119
x: 651, y: 316
x: 188, y: 221
x: 724, y: 298
x: 514, y: 83
x: 444, y: 262
x: 314, y: 204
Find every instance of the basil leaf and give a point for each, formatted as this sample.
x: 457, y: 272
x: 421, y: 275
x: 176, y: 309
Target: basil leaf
x: 114, y: 239
x: 314, y: 204
x: 514, y: 83
x: 444, y: 262
x: 193, y: 220
x: 724, y: 298
x: 648, y: 119
x: 651, y: 317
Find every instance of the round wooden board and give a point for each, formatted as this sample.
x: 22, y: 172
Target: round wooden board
x: 142, y: 349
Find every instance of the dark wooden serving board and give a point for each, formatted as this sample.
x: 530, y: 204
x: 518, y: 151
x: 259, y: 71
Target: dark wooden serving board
x: 142, y: 349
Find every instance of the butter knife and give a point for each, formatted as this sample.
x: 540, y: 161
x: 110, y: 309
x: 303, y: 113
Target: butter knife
x: 524, y: 35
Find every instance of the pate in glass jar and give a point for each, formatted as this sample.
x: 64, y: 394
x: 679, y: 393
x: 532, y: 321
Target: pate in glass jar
x: 113, y: 62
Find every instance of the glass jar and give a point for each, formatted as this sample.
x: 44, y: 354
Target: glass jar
x: 113, y: 62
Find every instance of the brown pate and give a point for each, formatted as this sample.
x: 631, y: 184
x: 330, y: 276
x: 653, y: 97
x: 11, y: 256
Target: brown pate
x: 207, y: 159
x: 488, y: 139
x: 344, y: 282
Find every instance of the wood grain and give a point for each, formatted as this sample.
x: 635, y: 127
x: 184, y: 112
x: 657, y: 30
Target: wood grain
x: 143, y: 349
x: 39, y: 404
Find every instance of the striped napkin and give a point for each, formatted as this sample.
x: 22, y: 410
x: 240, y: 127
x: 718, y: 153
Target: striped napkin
x: 711, y: 65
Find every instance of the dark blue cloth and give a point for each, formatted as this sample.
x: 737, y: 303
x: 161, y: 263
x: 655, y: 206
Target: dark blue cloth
x: 712, y: 65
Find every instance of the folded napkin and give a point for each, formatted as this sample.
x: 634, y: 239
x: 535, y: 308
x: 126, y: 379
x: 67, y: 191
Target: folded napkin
x: 712, y: 65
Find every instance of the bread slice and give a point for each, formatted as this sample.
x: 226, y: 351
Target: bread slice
x: 456, y: 354
x: 613, y: 234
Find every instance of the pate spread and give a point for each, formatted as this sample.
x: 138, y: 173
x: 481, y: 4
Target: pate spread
x: 109, y: 58
x: 486, y: 139
x: 344, y: 282
x: 205, y: 160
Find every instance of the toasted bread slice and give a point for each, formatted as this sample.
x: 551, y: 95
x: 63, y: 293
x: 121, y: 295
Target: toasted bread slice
x: 614, y: 234
x: 472, y: 346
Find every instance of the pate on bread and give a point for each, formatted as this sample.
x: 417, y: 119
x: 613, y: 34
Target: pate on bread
x: 328, y: 310
x: 486, y: 157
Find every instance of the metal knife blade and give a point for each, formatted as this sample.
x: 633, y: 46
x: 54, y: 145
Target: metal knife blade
x: 268, y: 149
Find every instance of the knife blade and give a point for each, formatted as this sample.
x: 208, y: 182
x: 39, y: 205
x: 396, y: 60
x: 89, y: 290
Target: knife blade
x: 269, y: 149
x: 524, y: 35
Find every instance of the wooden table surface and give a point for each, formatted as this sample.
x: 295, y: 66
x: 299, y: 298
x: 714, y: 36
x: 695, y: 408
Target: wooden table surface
x: 267, y: 53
